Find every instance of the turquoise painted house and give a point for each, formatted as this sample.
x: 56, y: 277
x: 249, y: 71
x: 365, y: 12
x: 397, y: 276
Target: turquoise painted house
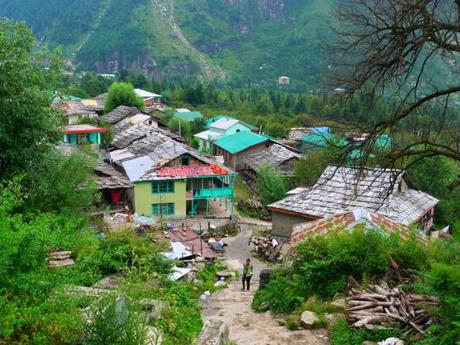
x: 83, y: 134
x: 222, y: 127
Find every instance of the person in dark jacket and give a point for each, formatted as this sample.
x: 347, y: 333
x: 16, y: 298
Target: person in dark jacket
x: 247, y: 274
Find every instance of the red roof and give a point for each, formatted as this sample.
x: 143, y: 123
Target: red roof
x: 61, y: 105
x: 76, y: 129
x: 191, y: 171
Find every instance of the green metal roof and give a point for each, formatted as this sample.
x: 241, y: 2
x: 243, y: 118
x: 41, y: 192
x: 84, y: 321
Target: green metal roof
x: 358, y: 154
x: 189, y: 115
x: 239, y: 141
x: 322, y: 139
x: 383, y: 141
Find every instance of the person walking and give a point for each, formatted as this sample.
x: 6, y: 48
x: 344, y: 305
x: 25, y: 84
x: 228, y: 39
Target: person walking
x: 247, y: 274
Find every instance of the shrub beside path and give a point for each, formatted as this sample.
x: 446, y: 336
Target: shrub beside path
x: 233, y: 306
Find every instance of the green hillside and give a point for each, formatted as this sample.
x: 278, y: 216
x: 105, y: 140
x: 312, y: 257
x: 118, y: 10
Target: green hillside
x: 250, y: 41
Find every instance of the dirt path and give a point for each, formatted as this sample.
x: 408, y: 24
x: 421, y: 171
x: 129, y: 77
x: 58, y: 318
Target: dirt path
x: 233, y: 306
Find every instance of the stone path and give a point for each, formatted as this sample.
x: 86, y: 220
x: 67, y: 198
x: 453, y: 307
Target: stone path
x: 233, y: 306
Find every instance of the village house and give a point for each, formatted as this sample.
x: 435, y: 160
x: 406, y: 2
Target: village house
x: 140, y: 120
x: 220, y: 128
x: 276, y: 155
x: 233, y: 147
x: 342, y: 189
x: 175, y: 181
x: 114, y: 187
x: 150, y: 99
x: 169, y: 177
x: 83, y: 134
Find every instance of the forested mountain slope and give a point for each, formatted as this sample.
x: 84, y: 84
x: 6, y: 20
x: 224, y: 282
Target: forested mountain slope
x: 241, y: 40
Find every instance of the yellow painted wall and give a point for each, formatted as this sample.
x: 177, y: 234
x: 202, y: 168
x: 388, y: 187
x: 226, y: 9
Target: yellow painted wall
x: 143, y: 198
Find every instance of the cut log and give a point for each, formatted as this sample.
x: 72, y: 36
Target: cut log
x: 382, y: 305
x: 60, y: 263
x: 60, y: 255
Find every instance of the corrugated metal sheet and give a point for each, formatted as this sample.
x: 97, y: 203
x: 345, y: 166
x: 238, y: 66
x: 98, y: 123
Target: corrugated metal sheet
x: 239, y: 141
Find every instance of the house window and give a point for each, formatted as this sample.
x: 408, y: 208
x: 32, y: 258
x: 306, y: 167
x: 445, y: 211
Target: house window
x: 238, y: 130
x: 185, y: 160
x: 163, y: 209
x: 162, y: 187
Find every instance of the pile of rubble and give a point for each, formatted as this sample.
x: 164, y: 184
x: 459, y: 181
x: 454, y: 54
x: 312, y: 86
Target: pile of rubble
x: 60, y: 259
x: 266, y: 247
x: 381, y: 305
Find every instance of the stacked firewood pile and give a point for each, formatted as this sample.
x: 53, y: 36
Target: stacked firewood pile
x: 60, y: 259
x: 382, y: 305
x: 266, y: 247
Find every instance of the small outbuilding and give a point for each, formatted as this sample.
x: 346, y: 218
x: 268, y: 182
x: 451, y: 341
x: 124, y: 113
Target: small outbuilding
x: 233, y: 147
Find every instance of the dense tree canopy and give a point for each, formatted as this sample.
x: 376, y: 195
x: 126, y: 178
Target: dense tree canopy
x: 28, y: 125
x: 122, y: 94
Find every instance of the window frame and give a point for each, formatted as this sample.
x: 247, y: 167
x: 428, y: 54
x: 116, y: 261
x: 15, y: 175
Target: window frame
x: 156, y: 187
x: 163, y: 209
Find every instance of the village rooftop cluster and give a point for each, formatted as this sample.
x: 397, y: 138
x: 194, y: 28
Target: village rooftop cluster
x: 149, y: 171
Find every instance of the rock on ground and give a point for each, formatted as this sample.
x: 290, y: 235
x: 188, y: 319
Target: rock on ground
x: 154, y: 336
x: 339, y: 303
x: 308, y: 319
x: 215, y: 332
x: 153, y: 308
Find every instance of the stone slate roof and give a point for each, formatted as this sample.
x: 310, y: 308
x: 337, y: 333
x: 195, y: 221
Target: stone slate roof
x: 298, y: 133
x: 153, y: 152
x: 127, y: 136
x: 66, y: 148
x: 342, y: 189
x: 348, y: 221
x: 275, y: 155
x: 109, y: 178
x: 138, y: 119
x: 119, y: 114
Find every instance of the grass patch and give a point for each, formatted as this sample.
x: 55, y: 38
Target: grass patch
x: 318, y: 307
x: 343, y: 334
x: 208, y: 275
x: 242, y: 191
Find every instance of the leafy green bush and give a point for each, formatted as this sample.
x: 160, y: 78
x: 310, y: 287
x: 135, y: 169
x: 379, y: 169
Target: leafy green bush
x: 282, y: 293
x: 324, y: 263
x: 321, y: 266
x: 122, y: 94
x: 271, y: 185
x: 343, y: 334
x: 443, y: 280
